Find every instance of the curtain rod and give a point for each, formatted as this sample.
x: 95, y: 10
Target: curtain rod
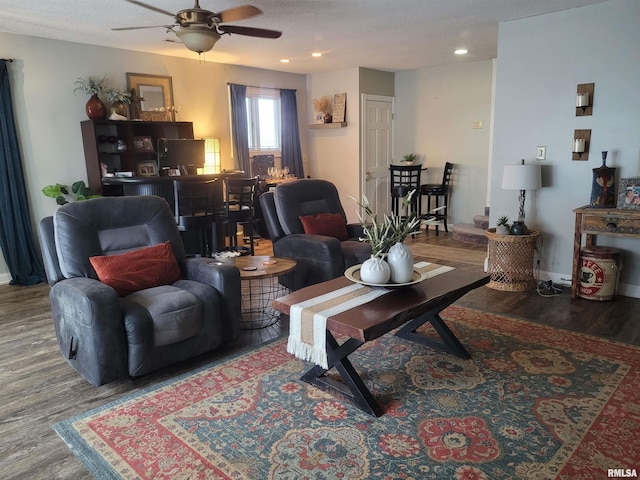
x: 10, y: 60
x: 268, y: 88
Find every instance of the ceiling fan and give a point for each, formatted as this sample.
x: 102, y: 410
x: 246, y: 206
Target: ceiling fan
x: 200, y: 29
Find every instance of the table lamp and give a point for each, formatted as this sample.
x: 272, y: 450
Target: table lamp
x: 521, y: 177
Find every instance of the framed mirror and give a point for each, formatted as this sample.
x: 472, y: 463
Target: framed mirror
x: 153, y: 99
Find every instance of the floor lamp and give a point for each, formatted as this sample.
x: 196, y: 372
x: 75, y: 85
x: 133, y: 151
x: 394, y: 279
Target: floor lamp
x: 521, y: 177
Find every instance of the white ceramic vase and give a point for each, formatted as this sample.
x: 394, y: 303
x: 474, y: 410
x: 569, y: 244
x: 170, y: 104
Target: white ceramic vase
x: 400, y: 260
x: 375, y: 270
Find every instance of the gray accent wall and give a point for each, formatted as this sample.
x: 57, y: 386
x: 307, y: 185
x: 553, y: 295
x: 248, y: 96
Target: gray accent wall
x: 541, y: 60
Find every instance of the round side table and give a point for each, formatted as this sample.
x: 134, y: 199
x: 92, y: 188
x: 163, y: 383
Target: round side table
x: 510, y: 261
x: 260, y: 287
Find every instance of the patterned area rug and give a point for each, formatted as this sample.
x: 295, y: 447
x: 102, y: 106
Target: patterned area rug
x: 533, y: 403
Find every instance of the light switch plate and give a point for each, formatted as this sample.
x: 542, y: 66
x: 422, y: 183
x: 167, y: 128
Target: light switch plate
x: 541, y: 153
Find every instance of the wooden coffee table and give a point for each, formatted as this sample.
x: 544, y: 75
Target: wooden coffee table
x: 409, y: 307
x: 260, y: 286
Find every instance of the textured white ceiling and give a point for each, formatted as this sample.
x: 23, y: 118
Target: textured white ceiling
x: 388, y: 35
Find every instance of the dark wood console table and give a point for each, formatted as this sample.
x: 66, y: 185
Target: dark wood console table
x: 600, y: 221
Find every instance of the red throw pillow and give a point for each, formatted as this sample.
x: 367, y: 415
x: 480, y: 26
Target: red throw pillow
x: 139, y: 269
x: 329, y: 224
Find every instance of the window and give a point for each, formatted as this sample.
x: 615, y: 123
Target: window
x: 263, y: 120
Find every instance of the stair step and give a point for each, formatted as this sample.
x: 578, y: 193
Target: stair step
x: 481, y: 221
x: 468, y: 233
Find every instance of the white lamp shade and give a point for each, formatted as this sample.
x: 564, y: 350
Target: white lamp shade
x: 521, y: 177
x: 198, y: 39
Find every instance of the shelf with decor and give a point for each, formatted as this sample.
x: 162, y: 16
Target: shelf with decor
x: 119, y: 145
x: 328, y: 125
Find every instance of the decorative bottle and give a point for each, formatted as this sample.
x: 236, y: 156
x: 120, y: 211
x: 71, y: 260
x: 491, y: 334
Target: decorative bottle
x: 400, y: 260
x: 375, y: 271
x: 603, y: 194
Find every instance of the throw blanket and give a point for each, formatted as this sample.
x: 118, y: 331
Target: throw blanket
x: 308, y: 319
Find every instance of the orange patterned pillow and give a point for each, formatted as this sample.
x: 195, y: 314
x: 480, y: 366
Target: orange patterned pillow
x: 139, y: 269
x: 329, y: 224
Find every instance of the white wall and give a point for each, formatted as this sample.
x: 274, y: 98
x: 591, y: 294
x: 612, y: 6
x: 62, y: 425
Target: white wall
x: 435, y: 111
x: 48, y: 114
x: 541, y: 60
x: 335, y: 153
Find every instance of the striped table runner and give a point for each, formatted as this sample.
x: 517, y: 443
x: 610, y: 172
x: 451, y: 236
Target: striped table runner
x: 308, y: 319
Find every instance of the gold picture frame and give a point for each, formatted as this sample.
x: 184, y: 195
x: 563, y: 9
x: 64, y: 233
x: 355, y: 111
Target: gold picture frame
x: 147, y: 168
x: 153, y: 99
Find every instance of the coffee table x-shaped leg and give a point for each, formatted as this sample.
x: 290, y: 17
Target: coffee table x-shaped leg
x: 352, y: 385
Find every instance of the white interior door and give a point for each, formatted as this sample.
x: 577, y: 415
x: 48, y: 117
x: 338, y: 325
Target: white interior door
x: 377, y: 147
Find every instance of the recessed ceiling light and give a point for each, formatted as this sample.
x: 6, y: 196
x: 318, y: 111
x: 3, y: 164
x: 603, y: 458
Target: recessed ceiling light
x: 461, y: 51
x: 284, y: 60
x: 316, y: 54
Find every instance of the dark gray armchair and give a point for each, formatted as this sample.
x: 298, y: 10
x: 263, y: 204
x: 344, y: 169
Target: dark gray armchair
x: 106, y: 337
x: 320, y: 257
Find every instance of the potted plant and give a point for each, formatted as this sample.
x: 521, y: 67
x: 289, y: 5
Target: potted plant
x: 119, y: 100
x: 503, y: 227
x: 63, y: 194
x: 409, y: 158
x: 92, y: 86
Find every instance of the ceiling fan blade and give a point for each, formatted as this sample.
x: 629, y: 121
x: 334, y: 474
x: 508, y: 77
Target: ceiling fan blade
x: 169, y: 27
x: 250, y: 31
x: 151, y: 7
x: 237, y: 13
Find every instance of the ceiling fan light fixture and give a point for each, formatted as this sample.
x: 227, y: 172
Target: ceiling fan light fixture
x: 198, y: 39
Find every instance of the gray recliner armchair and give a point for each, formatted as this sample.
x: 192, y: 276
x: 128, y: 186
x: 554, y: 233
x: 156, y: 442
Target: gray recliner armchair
x: 105, y: 336
x: 320, y: 257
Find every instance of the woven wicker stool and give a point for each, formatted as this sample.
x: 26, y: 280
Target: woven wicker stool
x: 510, y: 261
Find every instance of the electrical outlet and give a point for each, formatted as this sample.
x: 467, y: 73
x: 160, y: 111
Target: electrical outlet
x: 541, y: 153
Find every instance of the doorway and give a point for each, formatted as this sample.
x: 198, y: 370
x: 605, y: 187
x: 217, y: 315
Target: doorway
x: 377, y: 140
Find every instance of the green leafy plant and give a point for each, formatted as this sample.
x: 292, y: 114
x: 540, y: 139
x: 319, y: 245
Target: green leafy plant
x: 383, y: 234
x: 63, y: 194
x: 115, y: 95
x: 409, y: 157
x: 90, y: 86
x: 503, y: 221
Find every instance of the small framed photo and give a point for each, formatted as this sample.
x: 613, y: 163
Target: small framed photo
x: 629, y: 193
x: 147, y: 168
x: 143, y: 145
x: 318, y: 118
x: 173, y: 172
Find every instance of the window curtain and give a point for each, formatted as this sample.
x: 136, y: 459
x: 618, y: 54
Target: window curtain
x: 16, y: 234
x: 238, y: 95
x: 290, y: 142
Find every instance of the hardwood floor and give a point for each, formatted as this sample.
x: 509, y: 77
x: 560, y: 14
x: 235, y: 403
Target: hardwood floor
x: 38, y: 388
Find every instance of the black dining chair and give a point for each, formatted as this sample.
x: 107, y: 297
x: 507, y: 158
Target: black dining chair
x: 404, y: 179
x: 439, y: 191
x: 239, y: 208
x: 195, y: 204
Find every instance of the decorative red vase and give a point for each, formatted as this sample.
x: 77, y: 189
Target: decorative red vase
x: 96, y: 110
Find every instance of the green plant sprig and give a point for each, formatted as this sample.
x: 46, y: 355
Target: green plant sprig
x: 90, y: 86
x: 383, y: 234
x: 63, y: 194
x: 115, y: 95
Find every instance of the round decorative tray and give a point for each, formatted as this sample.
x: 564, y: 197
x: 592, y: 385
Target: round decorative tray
x: 353, y: 274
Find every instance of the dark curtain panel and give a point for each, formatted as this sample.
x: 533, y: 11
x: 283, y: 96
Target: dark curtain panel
x: 16, y: 235
x: 239, y: 126
x: 290, y: 145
